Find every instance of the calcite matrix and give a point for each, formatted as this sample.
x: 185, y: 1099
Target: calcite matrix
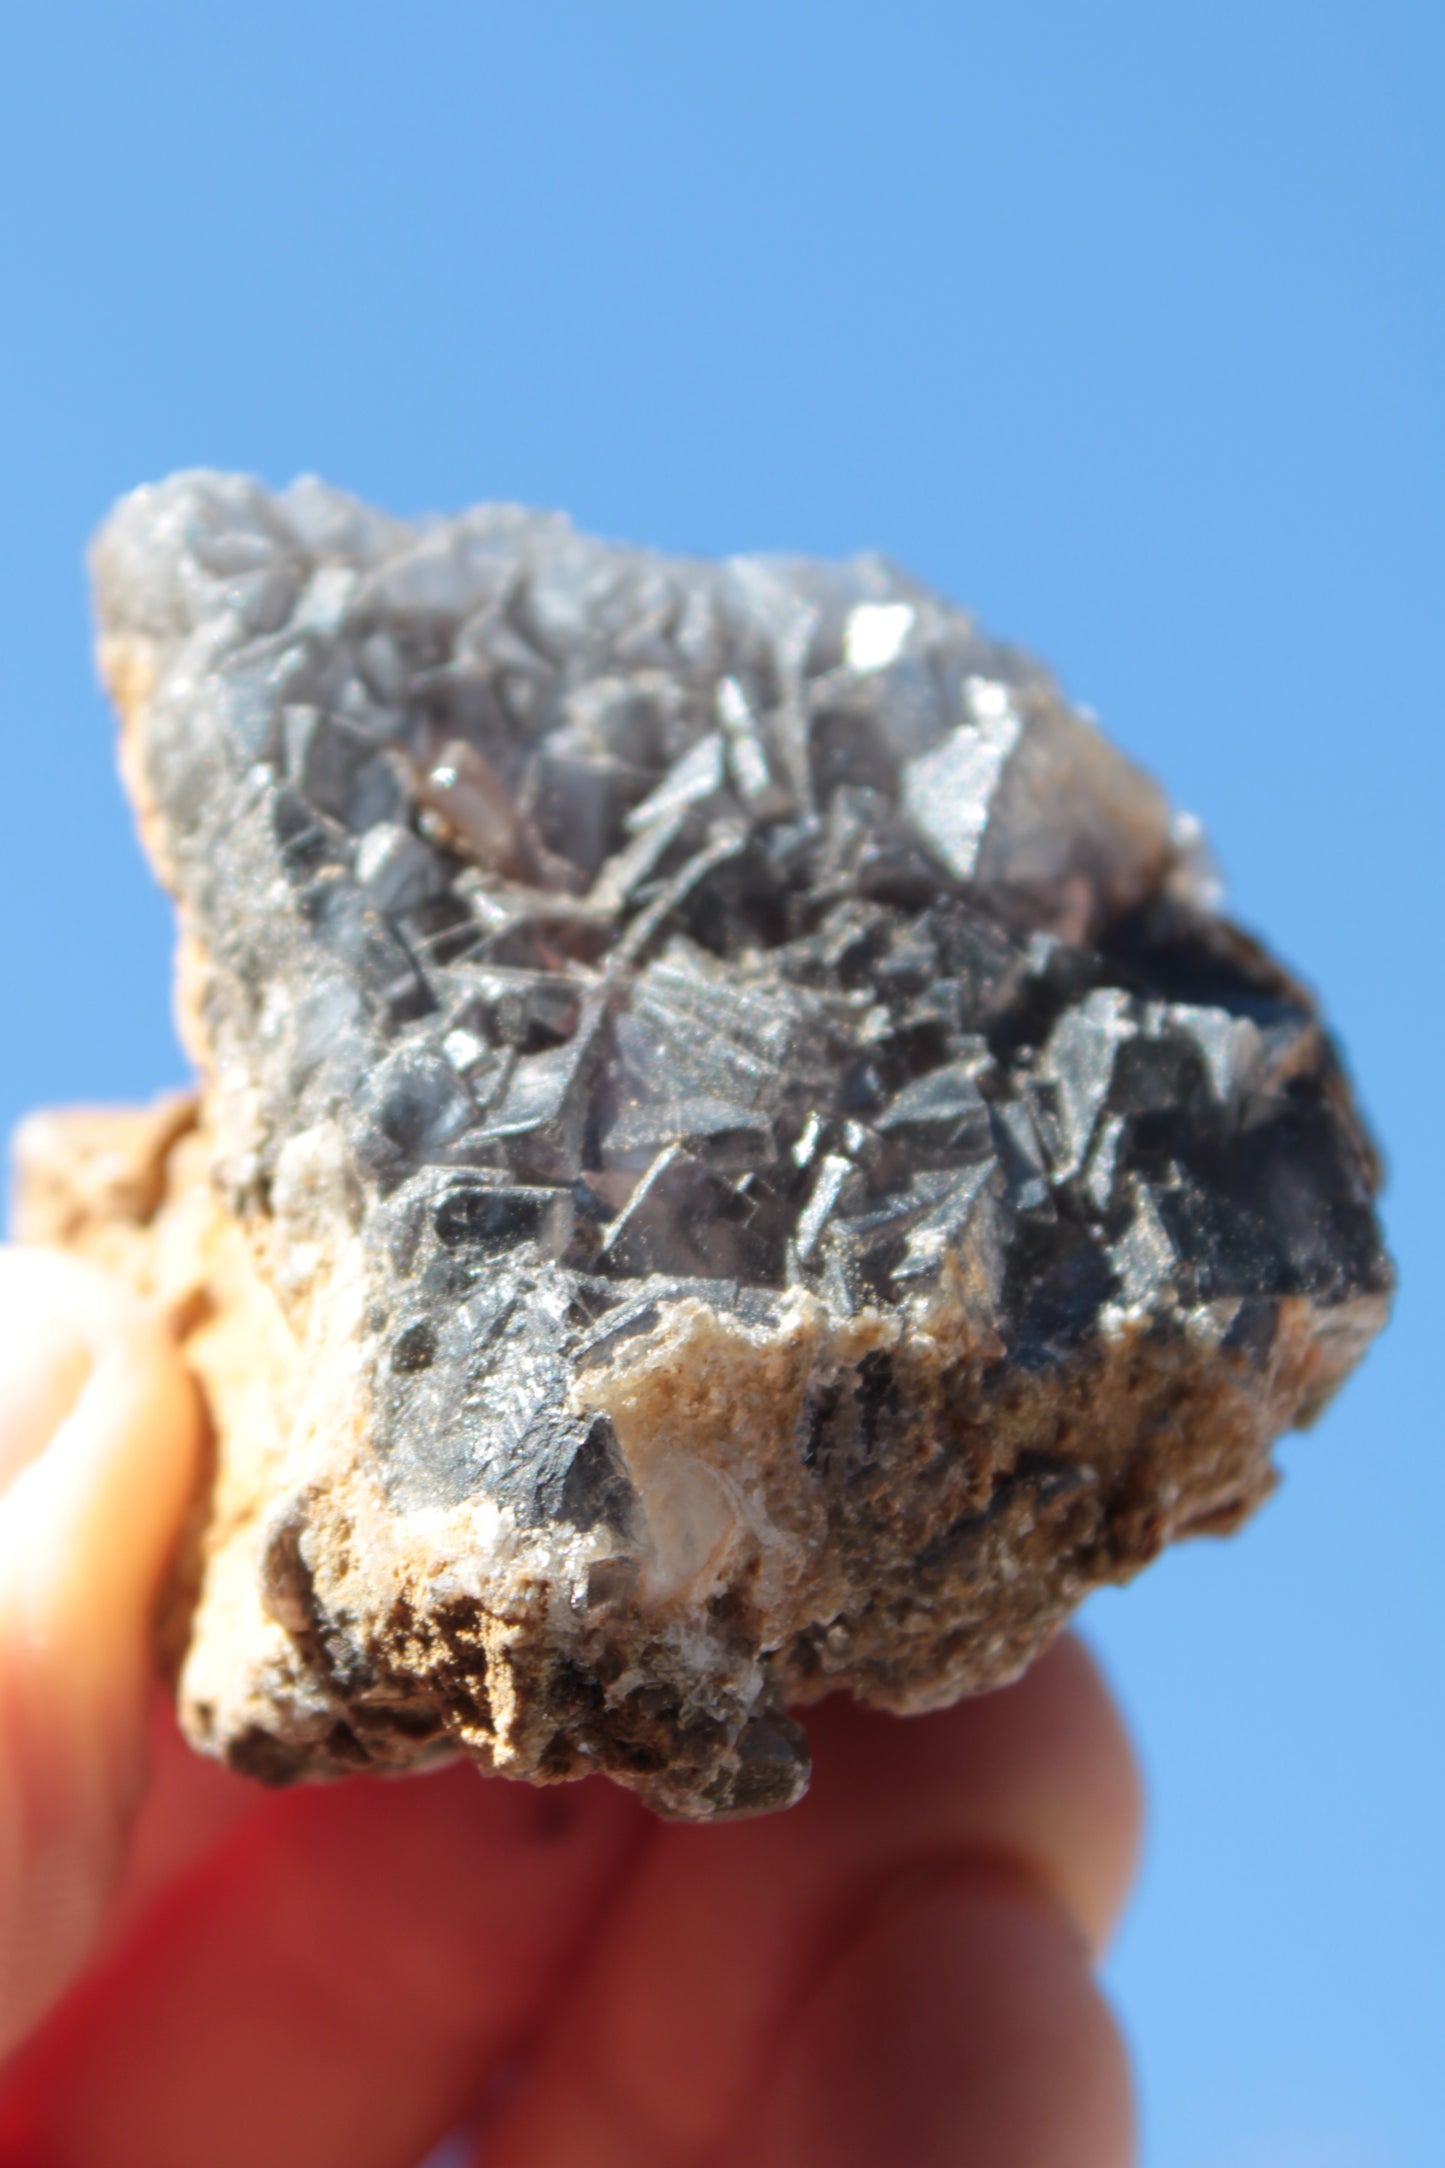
x: 736, y: 1155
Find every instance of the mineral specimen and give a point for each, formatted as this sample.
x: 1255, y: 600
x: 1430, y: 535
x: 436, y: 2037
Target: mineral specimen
x: 736, y: 1155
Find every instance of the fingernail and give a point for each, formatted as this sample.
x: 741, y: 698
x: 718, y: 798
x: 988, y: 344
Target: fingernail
x: 45, y: 1359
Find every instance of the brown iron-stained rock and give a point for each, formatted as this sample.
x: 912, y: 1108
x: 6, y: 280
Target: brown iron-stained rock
x: 736, y: 1155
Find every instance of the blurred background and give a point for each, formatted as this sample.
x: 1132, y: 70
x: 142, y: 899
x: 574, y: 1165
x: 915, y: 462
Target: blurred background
x: 1123, y: 324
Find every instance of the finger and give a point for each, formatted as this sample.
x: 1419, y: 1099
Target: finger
x: 724, y: 1929
x: 332, y: 1985
x: 962, y: 2023
x: 1041, y: 1773
x: 98, y: 1444
x: 191, y: 1804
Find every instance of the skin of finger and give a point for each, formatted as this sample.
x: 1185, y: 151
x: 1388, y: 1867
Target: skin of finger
x: 191, y: 1805
x: 87, y: 1527
x: 961, y: 2024
x: 333, y: 1985
x: 725, y: 1929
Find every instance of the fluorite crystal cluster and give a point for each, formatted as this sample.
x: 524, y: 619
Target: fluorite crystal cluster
x: 736, y: 1157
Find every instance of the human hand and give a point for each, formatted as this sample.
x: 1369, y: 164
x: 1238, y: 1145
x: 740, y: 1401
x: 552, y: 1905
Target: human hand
x: 198, y: 1974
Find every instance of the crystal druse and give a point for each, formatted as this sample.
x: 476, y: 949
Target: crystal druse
x: 736, y: 1154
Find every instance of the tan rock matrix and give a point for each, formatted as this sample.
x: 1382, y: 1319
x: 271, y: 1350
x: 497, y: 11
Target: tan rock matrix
x: 735, y: 1155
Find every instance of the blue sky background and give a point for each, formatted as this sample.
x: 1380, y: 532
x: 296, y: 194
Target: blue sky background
x: 1125, y: 324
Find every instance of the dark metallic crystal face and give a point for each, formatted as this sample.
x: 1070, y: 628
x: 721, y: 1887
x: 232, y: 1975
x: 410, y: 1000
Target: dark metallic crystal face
x: 652, y: 926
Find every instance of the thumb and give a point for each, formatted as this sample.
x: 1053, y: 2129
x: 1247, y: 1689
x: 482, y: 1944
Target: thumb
x: 99, y: 1439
